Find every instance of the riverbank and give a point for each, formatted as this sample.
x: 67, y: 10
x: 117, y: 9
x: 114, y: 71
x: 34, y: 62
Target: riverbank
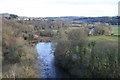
x: 88, y: 58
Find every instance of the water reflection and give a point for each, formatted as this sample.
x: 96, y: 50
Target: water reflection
x: 47, y: 62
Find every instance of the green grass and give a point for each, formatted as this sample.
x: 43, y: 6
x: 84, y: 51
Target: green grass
x: 116, y: 29
x: 104, y: 37
x: 54, y: 30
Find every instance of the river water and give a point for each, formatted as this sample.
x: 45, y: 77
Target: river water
x: 47, y: 62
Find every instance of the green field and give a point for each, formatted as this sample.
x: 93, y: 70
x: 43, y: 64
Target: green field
x: 104, y: 37
x: 116, y: 29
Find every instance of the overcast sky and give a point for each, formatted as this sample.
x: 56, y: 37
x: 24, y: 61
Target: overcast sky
x: 55, y: 8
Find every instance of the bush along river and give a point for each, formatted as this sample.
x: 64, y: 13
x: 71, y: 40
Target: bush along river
x: 47, y: 62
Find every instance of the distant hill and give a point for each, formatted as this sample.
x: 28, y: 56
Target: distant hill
x: 105, y: 19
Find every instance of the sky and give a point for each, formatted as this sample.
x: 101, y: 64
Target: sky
x: 57, y: 8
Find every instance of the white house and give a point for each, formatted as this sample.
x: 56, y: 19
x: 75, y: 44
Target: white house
x: 91, y: 31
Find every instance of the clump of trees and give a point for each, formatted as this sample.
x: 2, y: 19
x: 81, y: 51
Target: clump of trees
x: 48, y: 24
x: 87, y: 59
x: 48, y: 27
x: 13, y: 16
x: 104, y: 61
x: 102, y: 29
x: 48, y: 33
x: 18, y: 56
x: 67, y: 54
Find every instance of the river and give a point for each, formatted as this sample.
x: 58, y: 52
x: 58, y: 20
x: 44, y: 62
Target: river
x: 47, y: 62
